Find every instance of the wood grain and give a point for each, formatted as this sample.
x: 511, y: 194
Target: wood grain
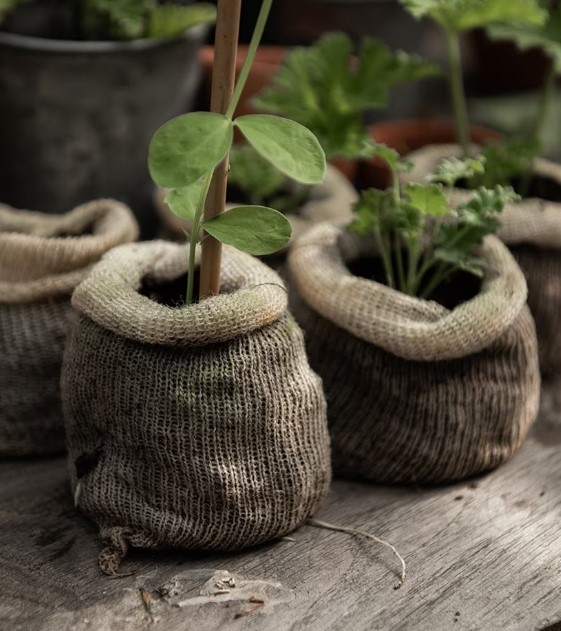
x: 482, y: 555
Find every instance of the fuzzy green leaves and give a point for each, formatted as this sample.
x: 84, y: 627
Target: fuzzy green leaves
x: 327, y: 89
x: 451, y: 170
x: 420, y: 237
x: 428, y: 199
x: 462, y: 15
x: 287, y: 145
x: 187, y: 147
x: 253, y: 229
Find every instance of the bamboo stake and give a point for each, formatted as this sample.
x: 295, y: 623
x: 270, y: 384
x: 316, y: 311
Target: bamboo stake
x: 223, y: 79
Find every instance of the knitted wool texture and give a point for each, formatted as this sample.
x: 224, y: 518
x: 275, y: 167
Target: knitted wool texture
x: 199, y: 427
x: 331, y: 200
x: 416, y: 392
x: 532, y: 231
x: 42, y: 259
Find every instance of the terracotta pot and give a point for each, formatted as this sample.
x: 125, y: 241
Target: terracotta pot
x: 264, y: 68
x: 409, y: 135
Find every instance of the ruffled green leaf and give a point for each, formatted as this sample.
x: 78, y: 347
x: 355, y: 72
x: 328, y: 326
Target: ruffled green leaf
x: 429, y: 199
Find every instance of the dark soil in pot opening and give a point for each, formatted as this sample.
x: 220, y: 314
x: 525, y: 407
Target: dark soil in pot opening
x: 456, y: 289
x: 170, y: 293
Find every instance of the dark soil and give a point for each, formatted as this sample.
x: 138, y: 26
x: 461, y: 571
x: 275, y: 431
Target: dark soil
x: 456, y: 289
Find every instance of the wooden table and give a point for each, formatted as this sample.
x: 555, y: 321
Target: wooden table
x: 482, y: 555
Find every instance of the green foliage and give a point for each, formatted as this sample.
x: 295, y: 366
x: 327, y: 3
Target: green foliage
x: 463, y: 15
x: 507, y: 161
x: 420, y: 237
x: 428, y: 199
x: 456, y: 16
x: 546, y: 36
x: 183, y: 201
x: 185, y: 151
x: 325, y: 89
x: 287, y: 145
x: 254, y: 175
x: 187, y: 147
x: 452, y: 170
x: 254, y: 229
x: 262, y: 184
x: 131, y: 19
x: 170, y: 20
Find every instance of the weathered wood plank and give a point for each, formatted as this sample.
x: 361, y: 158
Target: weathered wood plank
x: 482, y: 555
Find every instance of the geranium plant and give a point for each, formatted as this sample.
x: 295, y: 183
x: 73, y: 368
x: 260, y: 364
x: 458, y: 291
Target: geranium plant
x: 514, y: 159
x: 459, y: 16
x: 327, y: 89
x: 421, y: 237
x: 185, y: 152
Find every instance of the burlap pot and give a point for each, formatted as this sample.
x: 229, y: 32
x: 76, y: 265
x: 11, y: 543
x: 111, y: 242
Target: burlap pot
x: 200, y: 427
x: 532, y: 231
x: 331, y: 200
x: 416, y: 392
x: 42, y: 259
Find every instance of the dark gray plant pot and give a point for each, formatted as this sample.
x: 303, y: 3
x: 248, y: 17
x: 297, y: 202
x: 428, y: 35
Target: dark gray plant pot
x: 76, y: 117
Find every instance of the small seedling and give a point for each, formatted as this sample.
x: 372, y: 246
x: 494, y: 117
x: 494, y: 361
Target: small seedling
x: 459, y: 16
x: 185, y: 151
x: 328, y: 90
x: 421, y: 239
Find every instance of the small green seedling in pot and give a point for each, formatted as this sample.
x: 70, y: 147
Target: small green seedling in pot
x: 459, y: 16
x: 328, y: 90
x: 186, y: 150
x: 421, y: 239
x: 126, y: 20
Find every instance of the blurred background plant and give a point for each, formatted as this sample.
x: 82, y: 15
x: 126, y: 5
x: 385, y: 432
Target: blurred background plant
x: 115, y: 19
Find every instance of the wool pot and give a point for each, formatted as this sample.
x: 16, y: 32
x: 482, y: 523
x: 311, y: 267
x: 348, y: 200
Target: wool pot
x: 532, y: 231
x: 417, y: 392
x: 199, y: 427
x: 42, y: 259
x: 331, y: 200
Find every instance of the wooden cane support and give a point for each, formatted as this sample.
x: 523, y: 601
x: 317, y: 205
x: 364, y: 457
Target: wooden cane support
x: 223, y: 79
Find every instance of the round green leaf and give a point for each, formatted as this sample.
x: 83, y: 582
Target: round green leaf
x: 187, y: 147
x: 183, y: 201
x: 254, y: 229
x: 289, y: 146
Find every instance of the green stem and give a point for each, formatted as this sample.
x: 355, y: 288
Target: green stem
x: 386, y: 259
x: 396, y: 194
x: 438, y: 277
x: 399, y: 264
x: 539, y: 121
x: 414, y: 255
x: 251, y: 52
x: 458, y: 92
x: 545, y: 103
x: 195, y: 234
